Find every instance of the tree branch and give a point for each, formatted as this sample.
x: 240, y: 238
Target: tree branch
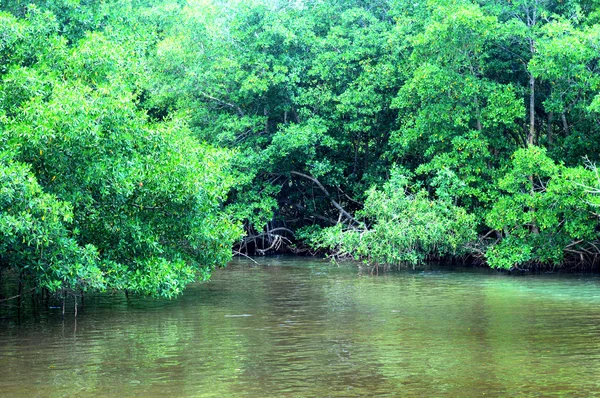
x: 237, y: 108
x: 326, y: 192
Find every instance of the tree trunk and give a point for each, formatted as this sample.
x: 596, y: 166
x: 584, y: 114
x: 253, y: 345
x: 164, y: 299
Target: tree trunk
x: 46, y: 295
x: 563, y: 117
x: 531, y: 138
x: 34, y: 303
x: 20, y: 293
x: 549, y: 135
x: 266, y: 113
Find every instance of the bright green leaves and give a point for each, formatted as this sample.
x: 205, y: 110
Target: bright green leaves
x: 458, y: 36
x: 402, y: 225
x: 161, y: 277
x: 566, y: 60
x: 315, y: 102
x: 296, y: 142
x: 108, y: 199
x: 342, y: 91
x: 351, y: 82
x: 451, y: 111
x: 35, y: 235
x: 543, y: 211
x: 292, y: 89
x: 141, y: 193
x: 501, y: 114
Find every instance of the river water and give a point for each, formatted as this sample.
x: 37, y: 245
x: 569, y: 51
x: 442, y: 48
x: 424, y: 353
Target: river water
x: 306, y: 328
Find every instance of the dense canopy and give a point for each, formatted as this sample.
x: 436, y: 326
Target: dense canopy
x: 139, y: 137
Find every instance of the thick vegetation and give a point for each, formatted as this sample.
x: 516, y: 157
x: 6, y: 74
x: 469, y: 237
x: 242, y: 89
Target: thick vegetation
x: 95, y: 194
x: 136, y: 135
x: 395, y: 131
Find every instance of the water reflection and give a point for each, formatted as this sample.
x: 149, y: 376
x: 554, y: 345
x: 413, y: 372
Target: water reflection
x: 297, y: 327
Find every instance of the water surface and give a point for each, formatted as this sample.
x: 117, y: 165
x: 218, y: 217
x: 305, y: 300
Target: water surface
x: 306, y: 328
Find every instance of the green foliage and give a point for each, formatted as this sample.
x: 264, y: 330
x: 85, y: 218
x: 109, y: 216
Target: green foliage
x: 35, y: 234
x: 403, y: 225
x: 339, y: 92
x: 543, y: 210
x: 162, y: 124
x: 139, y: 191
x: 95, y: 195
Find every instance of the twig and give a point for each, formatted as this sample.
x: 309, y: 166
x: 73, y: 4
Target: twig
x: 237, y: 253
x: 348, y: 196
x: 237, y: 108
x: 326, y: 192
x: 18, y: 295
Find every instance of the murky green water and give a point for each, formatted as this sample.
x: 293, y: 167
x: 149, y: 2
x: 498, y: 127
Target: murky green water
x: 298, y: 328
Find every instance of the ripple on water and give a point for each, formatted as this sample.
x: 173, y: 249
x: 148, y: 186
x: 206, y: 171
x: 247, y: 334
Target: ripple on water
x: 307, y: 328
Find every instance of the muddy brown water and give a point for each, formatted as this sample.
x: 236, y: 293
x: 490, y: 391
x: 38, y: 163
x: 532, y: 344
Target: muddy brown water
x: 296, y: 327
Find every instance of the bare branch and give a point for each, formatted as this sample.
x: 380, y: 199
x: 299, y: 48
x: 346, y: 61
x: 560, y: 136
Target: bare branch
x: 326, y: 192
x: 237, y: 108
x: 237, y: 253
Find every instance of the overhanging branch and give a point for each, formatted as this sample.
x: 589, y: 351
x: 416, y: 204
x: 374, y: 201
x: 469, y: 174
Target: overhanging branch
x: 326, y: 192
